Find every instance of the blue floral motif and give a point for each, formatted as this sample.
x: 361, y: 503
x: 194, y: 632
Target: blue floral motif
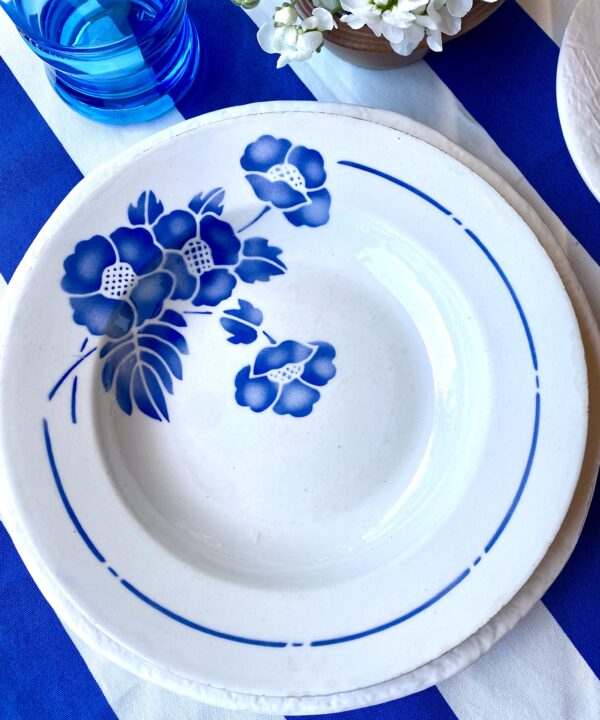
x: 241, y: 323
x: 286, y: 377
x: 290, y: 178
x: 200, y: 255
x: 122, y: 285
x: 113, y: 283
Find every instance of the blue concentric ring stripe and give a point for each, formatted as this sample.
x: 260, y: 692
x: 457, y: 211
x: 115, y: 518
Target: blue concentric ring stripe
x: 128, y: 586
x: 521, y: 487
x: 195, y: 626
x: 63, y: 496
x: 397, y: 621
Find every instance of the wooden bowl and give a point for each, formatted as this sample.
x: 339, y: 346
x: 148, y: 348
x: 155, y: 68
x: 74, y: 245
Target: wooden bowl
x: 361, y: 47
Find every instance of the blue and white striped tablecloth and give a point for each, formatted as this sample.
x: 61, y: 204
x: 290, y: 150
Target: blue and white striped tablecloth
x: 493, y: 92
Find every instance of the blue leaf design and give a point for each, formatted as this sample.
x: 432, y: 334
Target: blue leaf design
x: 110, y: 346
x: 241, y: 323
x: 167, y: 333
x: 173, y: 318
x: 113, y: 362
x: 241, y: 333
x: 146, y: 210
x: 142, y: 367
x: 141, y: 396
x: 211, y: 202
x: 262, y: 270
x: 246, y: 312
x: 155, y: 391
x: 166, y: 352
x: 123, y: 383
x: 158, y: 365
x: 259, y: 247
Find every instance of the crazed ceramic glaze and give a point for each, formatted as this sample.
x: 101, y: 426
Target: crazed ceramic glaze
x: 415, y: 322
x: 577, y: 91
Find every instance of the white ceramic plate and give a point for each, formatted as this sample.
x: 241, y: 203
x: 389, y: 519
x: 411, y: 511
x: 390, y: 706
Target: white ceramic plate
x: 340, y: 537
x: 578, y: 91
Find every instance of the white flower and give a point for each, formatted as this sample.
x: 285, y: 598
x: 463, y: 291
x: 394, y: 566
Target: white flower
x: 297, y: 41
x: 285, y: 15
x: 321, y: 19
x: 404, y: 23
x: 390, y: 18
x: 459, y: 8
x: 382, y: 17
x: 333, y: 6
x: 411, y: 39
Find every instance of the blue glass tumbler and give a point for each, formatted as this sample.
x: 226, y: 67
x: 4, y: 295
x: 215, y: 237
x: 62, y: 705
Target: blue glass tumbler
x: 117, y: 61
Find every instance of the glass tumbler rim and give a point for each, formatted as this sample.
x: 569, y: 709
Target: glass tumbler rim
x: 163, y: 16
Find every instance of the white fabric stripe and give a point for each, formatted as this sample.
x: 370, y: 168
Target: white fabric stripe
x: 134, y: 699
x: 552, y: 16
x: 89, y: 143
x: 535, y: 672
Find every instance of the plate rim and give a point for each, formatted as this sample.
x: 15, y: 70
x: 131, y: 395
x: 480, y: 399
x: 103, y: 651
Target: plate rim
x: 438, y: 669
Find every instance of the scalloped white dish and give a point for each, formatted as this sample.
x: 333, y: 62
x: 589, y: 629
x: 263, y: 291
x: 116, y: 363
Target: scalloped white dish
x: 578, y: 91
x: 301, y: 415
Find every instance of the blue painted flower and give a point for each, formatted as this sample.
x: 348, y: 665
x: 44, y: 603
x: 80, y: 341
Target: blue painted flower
x: 289, y: 178
x: 200, y: 255
x: 113, y: 282
x: 286, y: 377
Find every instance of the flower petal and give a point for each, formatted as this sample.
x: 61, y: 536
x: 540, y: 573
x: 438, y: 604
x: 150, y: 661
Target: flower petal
x: 296, y: 399
x: 434, y: 40
x: 256, y: 393
x: 279, y: 193
x: 311, y: 165
x: 449, y: 24
x: 314, y: 213
x: 136, y: 247
x: 173, y: 230
x: 185, y: 284
x: 221, y: 240
x: 324, y: 18
x: 84, y: 267
x: 413, y: 35
x: 215, y: 286
x: 102, y: 315
x: 459, y: 8
x: 320, y: 369
x: 264, y: 153
x: 150, y: 293
x: 273, y: 358
x: 308, y: 43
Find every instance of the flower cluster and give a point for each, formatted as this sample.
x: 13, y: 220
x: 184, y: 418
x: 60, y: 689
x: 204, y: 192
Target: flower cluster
x: 122, y: 285
x: 404, y: 23
x: 119, y: 282
x: 292, y: 38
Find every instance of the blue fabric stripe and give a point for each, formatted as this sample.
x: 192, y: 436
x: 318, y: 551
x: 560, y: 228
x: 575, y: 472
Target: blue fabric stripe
x: 35, y: 172
x: 426, y: 705
x: 234, y: 69
x: 504, y: 73
x: 573, y: 598
x: 42, y: 674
